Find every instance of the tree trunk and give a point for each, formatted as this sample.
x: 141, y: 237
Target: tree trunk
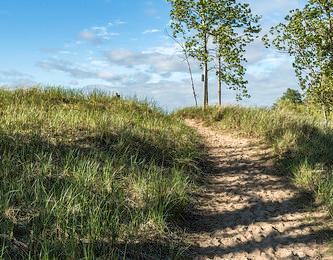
x: 206, y: 100
x: 220, y: 82
x: 192, y: 80
x: 325, y: 116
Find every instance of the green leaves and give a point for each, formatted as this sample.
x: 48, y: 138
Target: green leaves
x: 216, y: 29
x: 237, y: 28
x: 307, y: 35
x: 321, y: 96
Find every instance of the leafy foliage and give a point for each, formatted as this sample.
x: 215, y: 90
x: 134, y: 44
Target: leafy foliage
x: 227, y: 26
x: 291, y: 96
x: 307, y: 35
x: 321, y: 96
x: 235, y: 31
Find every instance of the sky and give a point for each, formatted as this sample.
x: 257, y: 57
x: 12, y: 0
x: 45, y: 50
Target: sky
x: 122, y: 46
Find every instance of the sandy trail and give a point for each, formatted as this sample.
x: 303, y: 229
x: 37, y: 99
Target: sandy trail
x: 247, y: 211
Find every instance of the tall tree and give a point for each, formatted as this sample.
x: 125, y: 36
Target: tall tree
x: 235, y: 31
x: 203, y: 24
x: 307, y: 35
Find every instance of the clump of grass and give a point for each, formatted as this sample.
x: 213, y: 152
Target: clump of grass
x: 307, y: 175
x: 87, y: 176
x: 302, y: 144
x: 325, y: 191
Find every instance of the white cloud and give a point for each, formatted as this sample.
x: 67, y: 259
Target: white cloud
x: 68, y: 67
x: 160, y: 72
x: 115, y: 23
x: 119, y: 22
x: 74, y: 83
x: 15, y: 78
x: 163, y: 92
x: 85, y: 72
x: 151, y: 31
x: 96, y: 35
x: 268, y: 65
x: 154, y: 60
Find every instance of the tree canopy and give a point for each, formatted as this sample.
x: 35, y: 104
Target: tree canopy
x: 221, y: 25
x: 292, y: 96
x: 307, y: 35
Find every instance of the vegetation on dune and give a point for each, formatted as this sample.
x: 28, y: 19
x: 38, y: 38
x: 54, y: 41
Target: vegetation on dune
x: 302, y: 143
x: 290, y: 97
x: 88, y: 176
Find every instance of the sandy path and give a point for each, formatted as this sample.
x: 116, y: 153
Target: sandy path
x: 249, y: 212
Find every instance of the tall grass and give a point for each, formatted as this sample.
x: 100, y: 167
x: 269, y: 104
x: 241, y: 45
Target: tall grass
x: 301, y: 142
x: 90, y: 176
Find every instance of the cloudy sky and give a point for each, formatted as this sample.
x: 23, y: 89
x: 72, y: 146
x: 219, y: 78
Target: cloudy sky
x: 121, y: 46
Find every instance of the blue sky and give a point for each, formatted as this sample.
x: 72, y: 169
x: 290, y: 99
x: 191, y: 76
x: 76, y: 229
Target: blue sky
x: 121, y: 46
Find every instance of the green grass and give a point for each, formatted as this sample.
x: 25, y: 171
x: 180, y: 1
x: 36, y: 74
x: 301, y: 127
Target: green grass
x: 302, y: 145
x: 91, y: 176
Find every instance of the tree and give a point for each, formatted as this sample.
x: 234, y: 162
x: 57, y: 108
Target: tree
x: 194, y: 21
x: 321, y: 96
x: 203, y: 24
x: 290, y: 100
x: 292, y: 96
x: 307, y: 35
x: 231, y: 38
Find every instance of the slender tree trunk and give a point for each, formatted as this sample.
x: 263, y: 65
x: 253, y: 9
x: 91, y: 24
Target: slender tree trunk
x: 192, y: 80
x: 220, y: 82
x: 325, y: 116
x: 203, y: 87
x: 187, y: 58
x: 206, y: 100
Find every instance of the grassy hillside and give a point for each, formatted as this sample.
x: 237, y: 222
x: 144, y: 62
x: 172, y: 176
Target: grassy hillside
x: 85, y: 176
x: 303, y: 146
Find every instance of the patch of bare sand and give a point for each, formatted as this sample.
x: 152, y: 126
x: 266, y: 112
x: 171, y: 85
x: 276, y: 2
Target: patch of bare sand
x: 247, y: 211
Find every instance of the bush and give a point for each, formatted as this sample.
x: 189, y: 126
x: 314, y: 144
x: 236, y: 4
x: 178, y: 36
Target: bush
x: 290, y: 100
